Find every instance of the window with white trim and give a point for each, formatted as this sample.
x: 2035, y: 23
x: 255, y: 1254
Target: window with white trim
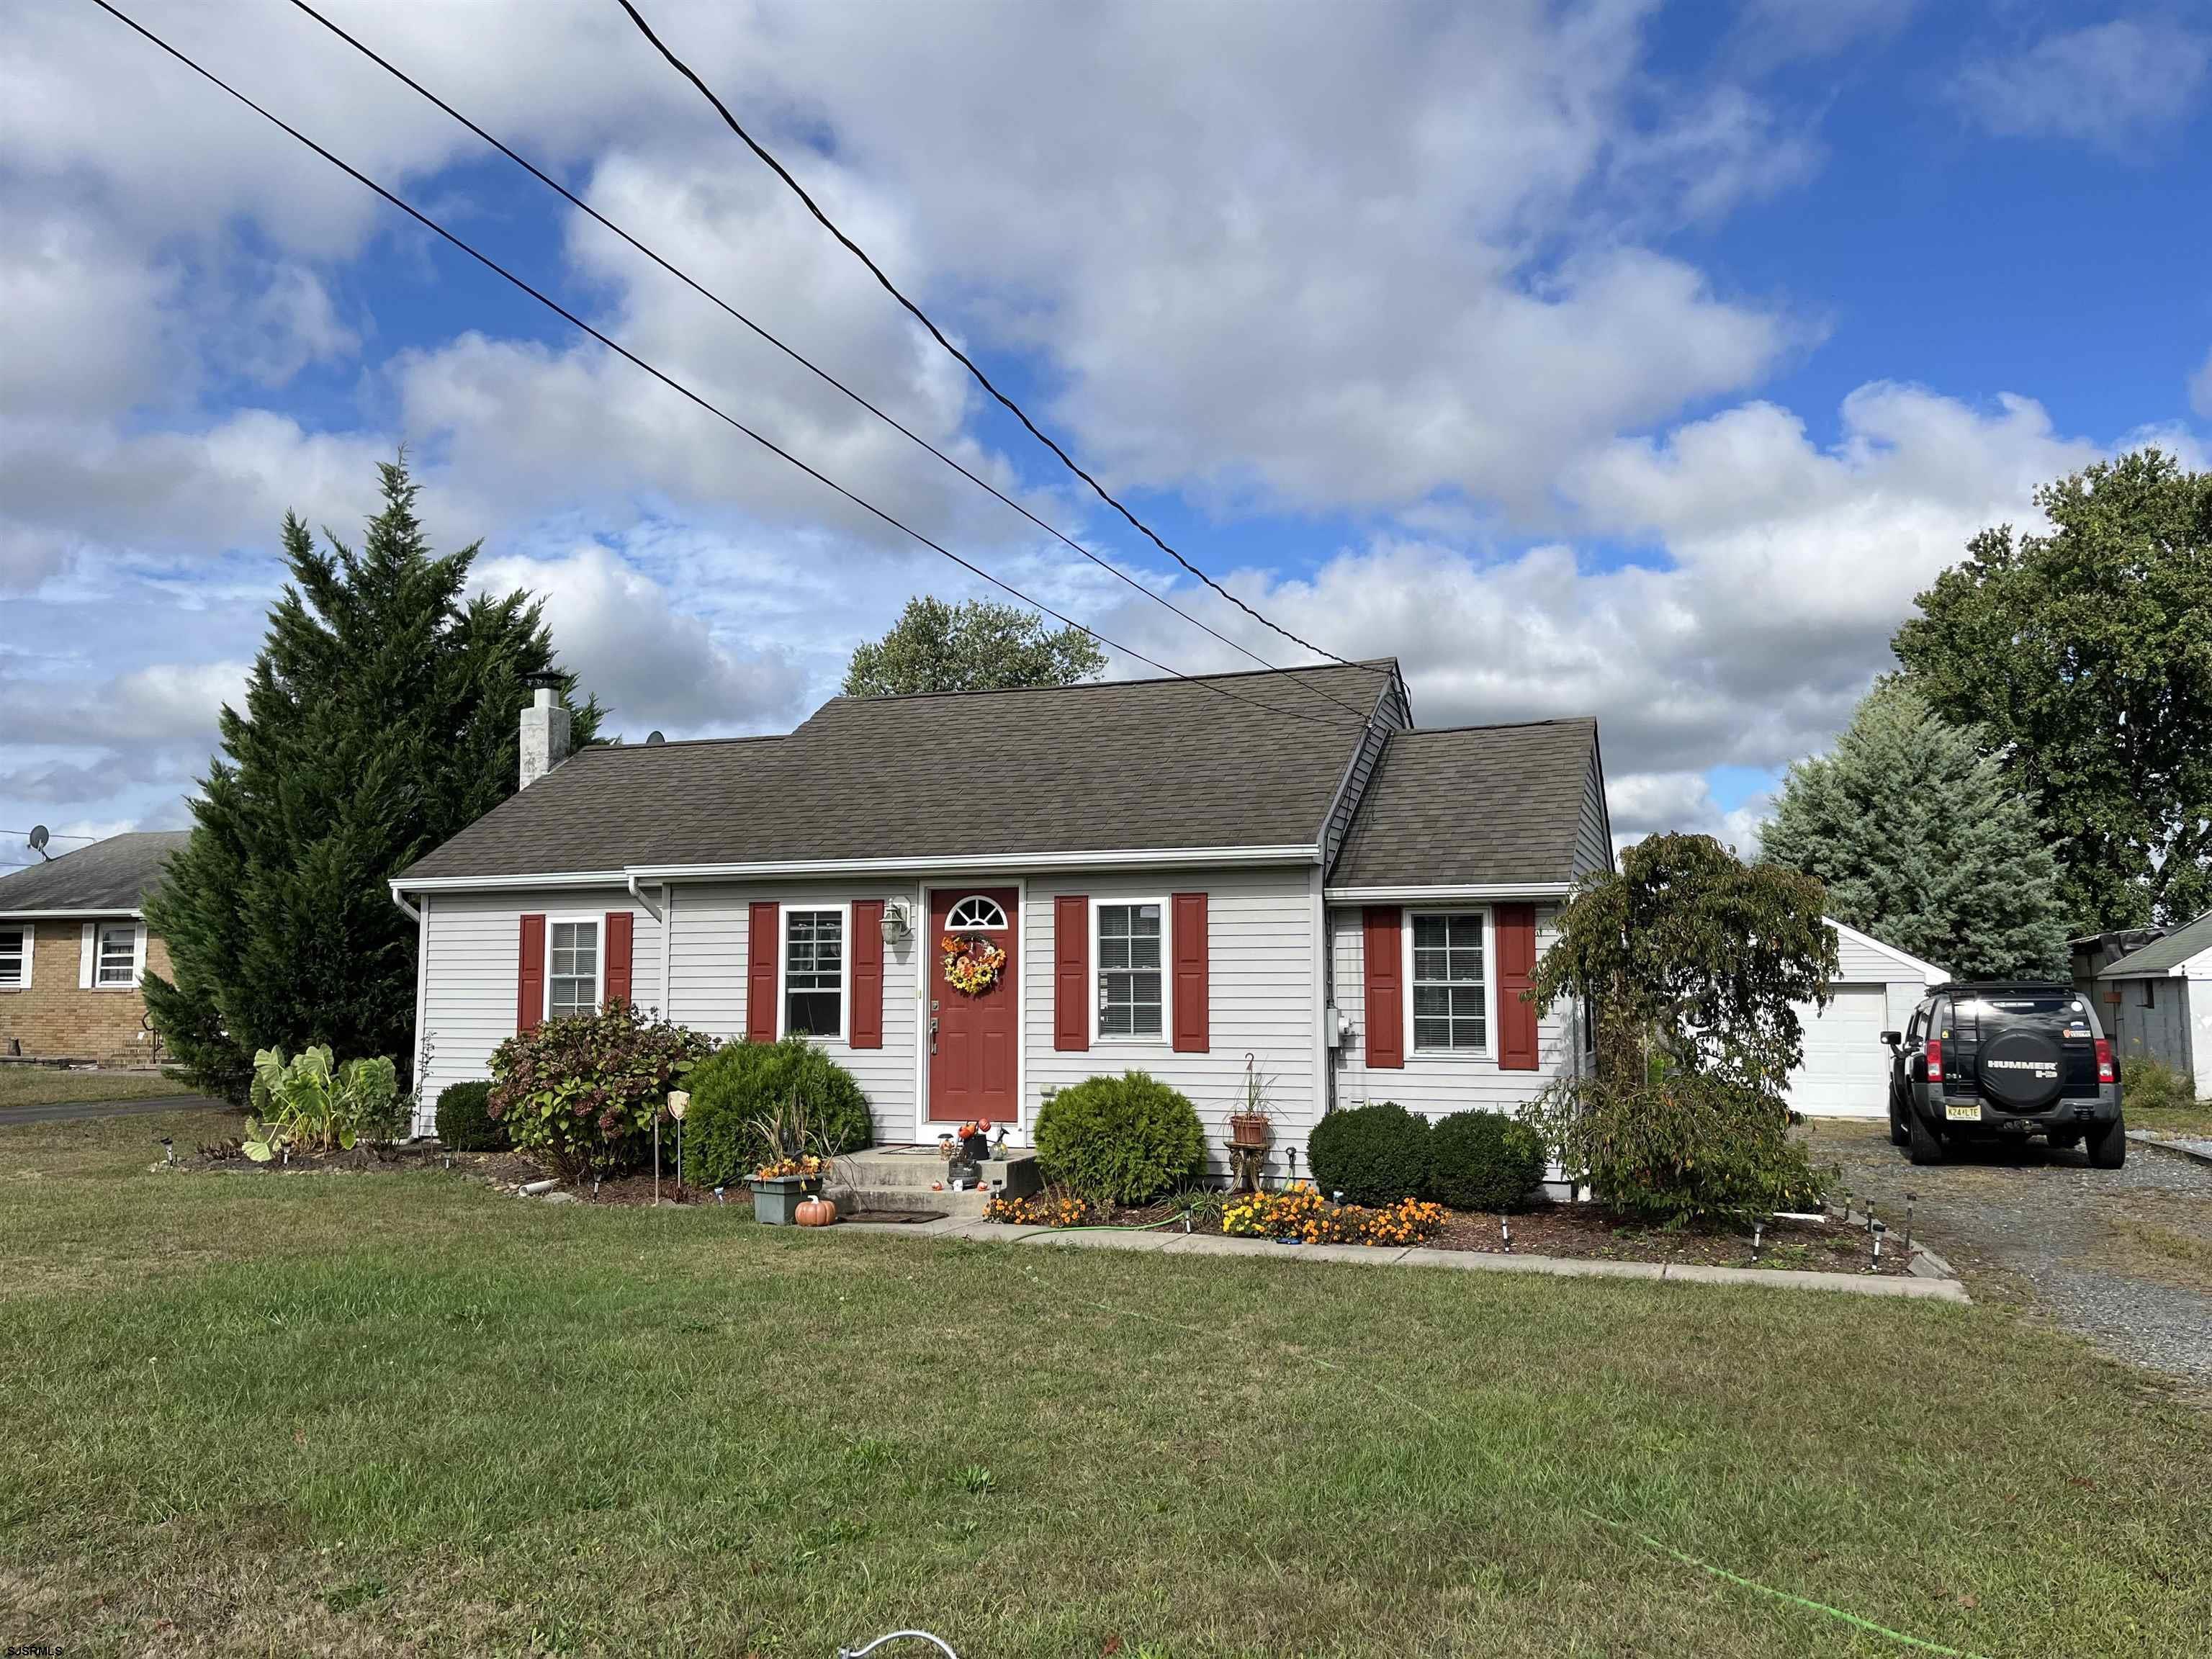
x: 14, y: 956
x: 1130, y: 981
x: 117, y: 962
x: 1451, y: 1001
x: 974, y: 914
x: 572, y: 978
x: 814, y: 973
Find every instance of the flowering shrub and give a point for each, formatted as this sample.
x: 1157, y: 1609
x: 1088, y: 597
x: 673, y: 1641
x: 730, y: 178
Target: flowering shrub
x: 579, y: 1093
x: 1044, y: 1210
x: 1298, y: 1211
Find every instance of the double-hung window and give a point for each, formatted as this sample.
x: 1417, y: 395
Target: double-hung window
x: 117, y: 962
x: 1451, y: 1001
x: 814, y: 973
x: 572, y: 985
x: 14, y: 957
x: 1129, y: 974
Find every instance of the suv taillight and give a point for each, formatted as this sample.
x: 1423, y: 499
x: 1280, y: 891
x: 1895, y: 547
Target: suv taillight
x: 2104, y: 1061
x: 1934, y: 1060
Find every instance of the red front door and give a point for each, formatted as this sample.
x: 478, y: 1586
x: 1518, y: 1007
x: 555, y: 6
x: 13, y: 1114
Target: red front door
x: 974, y: 1041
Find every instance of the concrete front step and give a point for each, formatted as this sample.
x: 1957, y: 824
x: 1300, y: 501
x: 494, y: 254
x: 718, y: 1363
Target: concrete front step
x: 908, y: 1178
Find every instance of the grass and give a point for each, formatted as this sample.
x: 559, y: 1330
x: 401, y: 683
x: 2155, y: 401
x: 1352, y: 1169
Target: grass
x: 2161, y: 1236
x: 348, y: 1412
x: 43, y: 1086
x: 2191, y: 1120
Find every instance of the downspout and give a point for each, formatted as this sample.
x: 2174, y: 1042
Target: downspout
x: 407, y: 909
x: 638, y: 893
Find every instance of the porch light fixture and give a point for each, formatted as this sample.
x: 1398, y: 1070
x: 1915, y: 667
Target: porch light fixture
x: 898, y: 921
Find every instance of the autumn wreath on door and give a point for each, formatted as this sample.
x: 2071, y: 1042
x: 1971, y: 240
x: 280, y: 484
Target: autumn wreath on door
x: 972, y: 963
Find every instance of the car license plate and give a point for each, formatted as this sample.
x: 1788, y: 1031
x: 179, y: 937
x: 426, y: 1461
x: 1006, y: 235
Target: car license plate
x: 1970, y: 1110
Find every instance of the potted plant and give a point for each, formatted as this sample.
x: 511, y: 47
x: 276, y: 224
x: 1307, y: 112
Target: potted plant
x: 797, y: 1160
x: 964, y: 1151
x: 1252, y: 1125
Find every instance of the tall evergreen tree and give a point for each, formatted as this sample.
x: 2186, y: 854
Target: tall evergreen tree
x: 1922, y: 841
x: 977, y: 645
x: 381, y: 716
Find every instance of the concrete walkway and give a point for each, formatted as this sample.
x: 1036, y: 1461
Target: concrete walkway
x: 1164, y: 1241
x: 71, y: 1111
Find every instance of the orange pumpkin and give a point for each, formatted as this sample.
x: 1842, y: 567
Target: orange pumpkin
x: 815, y: 1211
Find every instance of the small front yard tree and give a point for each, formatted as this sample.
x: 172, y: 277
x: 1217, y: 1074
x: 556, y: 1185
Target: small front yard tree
x: 1691, y: 962
x: 1922, y: 841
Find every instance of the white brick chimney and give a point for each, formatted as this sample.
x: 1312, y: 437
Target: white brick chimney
x: 544, y: 736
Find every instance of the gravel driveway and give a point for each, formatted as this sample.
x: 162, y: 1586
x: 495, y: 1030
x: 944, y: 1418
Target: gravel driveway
x: 2124, y: 1256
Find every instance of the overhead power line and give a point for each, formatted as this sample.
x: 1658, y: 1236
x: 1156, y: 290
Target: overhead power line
x: 823, y: 375
x: 674, y: 384
x: 968, y: 363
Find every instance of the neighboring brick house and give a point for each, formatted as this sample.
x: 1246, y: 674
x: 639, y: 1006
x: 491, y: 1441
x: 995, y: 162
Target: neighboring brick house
x: 74, y: 947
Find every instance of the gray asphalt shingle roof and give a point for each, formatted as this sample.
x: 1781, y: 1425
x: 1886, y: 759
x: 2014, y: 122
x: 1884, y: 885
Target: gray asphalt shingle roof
x: 110, y: 875
x: 1169, y: 763
x: 1471, y: 805
x: 2159, y: 955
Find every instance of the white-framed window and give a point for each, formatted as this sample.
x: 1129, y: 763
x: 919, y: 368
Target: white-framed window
x: 117, y: 960
x: 572, y: 968
x: 1129, y: 941
x: 813, y: 991
x: 977, y: 914
x: 1447, y: 981
x: 14, y: 957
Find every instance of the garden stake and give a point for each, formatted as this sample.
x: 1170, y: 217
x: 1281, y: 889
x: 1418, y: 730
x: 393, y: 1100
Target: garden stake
x: 718, y: 1199
x: 1505, y: 1232
x: 168, y: 1151
x: 1878, y: 1229
x: 1909, y: 1199
x: 656, y: 1160
x: 1758, y: 1232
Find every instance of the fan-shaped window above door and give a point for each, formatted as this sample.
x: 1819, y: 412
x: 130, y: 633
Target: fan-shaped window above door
x: 975, y: 911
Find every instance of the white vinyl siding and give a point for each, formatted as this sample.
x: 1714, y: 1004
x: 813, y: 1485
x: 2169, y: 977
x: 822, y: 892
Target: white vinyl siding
x: 1846, y: 1070
x: 710, y: 930
x: 1261, y: 993
x: 1436, y: 1082
x: 472, y: 965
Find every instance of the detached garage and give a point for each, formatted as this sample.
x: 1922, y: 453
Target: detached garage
x: 1846, y: 1069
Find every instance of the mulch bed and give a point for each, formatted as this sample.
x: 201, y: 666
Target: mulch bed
x: 1586, y: 1232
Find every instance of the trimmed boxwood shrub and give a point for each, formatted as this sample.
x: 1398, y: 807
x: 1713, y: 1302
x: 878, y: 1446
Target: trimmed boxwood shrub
x: 464, y: 1121
x: 1120, y: 1139
x: 742, y: 1082
x: 1483, y: 1161
x: 1375, y: 1154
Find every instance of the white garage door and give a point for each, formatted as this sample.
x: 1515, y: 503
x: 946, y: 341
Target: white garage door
x: 1846, y: 1070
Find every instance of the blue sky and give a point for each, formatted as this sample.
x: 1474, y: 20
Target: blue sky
x: 1634, y: 360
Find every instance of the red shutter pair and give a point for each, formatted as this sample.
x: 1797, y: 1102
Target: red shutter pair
x: 1382, y: 951
x: 1190, y: 973
x: 530, y: 977
x: 864, y: 1015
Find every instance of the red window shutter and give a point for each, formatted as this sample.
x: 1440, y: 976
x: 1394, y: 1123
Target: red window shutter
x: 1071, y: 973
x: 619, y: 926
x: 530, y: 980
x: 867, y: 1022
x: 764, y: 925
x: 1386, y: 985
x: 1192, y: 1017
x: 1516, y: 968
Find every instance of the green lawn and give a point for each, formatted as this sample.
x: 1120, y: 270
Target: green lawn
x: 346, y: 1413
x: 2194, y: 1120
x: 42, y: 1085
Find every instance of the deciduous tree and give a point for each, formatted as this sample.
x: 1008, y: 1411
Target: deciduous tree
x: 2084, y: 658
x: 976, y: 645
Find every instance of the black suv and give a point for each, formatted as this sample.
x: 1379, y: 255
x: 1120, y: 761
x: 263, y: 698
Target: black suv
x: 1983, y: 1062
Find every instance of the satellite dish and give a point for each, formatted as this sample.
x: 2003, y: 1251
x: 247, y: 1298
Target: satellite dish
x: 653, y: 737
x: 39, y: 840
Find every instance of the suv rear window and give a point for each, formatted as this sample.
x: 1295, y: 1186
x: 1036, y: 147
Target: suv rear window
x: 2023, y: 1004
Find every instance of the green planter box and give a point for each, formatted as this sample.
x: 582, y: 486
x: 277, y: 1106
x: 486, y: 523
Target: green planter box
x: 775, y: 1201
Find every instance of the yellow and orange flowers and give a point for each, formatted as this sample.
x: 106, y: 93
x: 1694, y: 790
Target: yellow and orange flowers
x: 972, y: 965
x: 782, y: 1168
x: 1300, y: 1213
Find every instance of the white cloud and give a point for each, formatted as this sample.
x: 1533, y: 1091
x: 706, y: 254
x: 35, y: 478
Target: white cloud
x: 2112, y: 84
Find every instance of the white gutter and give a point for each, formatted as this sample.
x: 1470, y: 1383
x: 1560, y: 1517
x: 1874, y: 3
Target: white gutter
x: 1298, y: 853
x: 634, y: 893
x: 1491, y: 890
x: 465, y: 883
x: 413, y: 914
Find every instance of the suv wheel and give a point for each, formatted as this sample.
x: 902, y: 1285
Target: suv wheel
x: 2108, y: 1146
x: 1920, y: 1140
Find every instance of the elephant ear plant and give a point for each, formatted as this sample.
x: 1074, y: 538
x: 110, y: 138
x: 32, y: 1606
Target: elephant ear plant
x: 317, y: 1106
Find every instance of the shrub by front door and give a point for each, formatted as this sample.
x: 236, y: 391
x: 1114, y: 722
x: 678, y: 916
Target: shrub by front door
x: 972, y: 1037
